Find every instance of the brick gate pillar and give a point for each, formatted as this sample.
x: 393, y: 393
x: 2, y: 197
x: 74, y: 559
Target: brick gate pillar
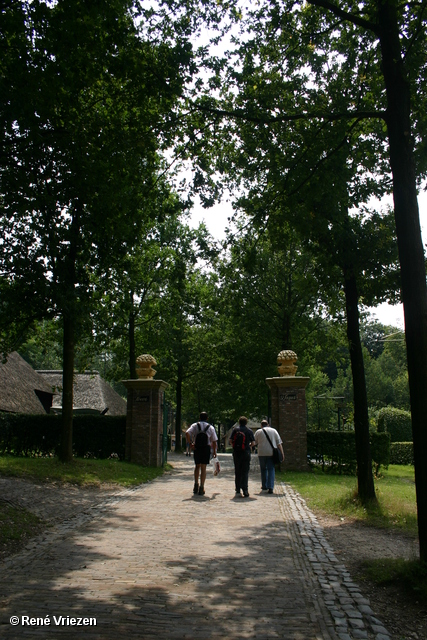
x: 288, y: 411
x: 144, y: 418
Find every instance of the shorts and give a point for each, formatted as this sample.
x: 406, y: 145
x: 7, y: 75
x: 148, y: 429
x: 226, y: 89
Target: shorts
x: 202, y: 456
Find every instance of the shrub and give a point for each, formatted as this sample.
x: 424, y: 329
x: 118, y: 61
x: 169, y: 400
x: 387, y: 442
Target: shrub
x: 395, y: 422
x: 380, y: 449
x: 402, y: 453
x: 23, y: 434
x: 99, y: 436
x: 336, y: 450
x: 37, y: 435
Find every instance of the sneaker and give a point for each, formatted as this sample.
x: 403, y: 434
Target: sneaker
x: 196, y: 488
x: 263, y: 488
x: 201, y: 491
x: 270, y: 491
x: 246, y: 494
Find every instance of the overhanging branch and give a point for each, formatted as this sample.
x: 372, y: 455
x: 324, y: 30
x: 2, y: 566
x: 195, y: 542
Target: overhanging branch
x: 345, y: 15
x: 240, y: 114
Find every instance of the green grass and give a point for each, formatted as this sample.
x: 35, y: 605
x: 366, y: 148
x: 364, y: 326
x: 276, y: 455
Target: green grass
x: 396, y: 509
x: 79, y: 471
x: 410, y: 575
x: 17, y: 525
x: 336, y: 495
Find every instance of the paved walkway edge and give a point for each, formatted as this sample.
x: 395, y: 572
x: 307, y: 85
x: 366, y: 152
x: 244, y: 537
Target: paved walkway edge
x: 339, y: 610
x: 351, y: 613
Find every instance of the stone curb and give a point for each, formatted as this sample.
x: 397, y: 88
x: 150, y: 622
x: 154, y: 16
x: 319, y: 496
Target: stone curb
x: 351, y: 612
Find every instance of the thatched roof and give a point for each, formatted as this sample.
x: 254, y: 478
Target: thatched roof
x: 91, y: 392
x: 22, y: 390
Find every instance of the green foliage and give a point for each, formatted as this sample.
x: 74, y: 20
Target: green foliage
x: 94, y: 437
x: 86, y: 99
x: 336, y: 450
x: 72, y: 161
x: 39, y: 435
x: 380, y: 449
x: 402, y: 453
x: 395, y: 422
x: 267, y: 292
x: 29, y: 435
x: 386, y: 369
x: 43, y: 347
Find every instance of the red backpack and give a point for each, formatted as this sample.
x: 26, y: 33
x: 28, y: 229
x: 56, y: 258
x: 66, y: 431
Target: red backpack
x: 239, y: 441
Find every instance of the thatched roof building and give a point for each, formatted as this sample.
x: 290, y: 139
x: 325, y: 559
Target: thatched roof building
x: 23, y: 390
x: 91, y: 393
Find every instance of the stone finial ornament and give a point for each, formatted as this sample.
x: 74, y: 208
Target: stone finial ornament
x: 285, y: 363
x: 144, y: 369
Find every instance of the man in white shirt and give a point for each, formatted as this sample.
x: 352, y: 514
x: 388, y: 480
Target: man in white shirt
x: 202, y: 438
x: 265, y: 454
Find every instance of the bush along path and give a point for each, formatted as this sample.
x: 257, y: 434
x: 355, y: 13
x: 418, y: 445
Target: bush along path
x: 158, y: 562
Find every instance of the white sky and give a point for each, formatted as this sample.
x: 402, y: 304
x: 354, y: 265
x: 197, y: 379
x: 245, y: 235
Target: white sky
x: 216, y: 220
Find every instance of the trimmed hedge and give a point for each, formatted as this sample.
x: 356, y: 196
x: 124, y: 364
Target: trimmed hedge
x: 396, y: 422
x: 336, y: 450
x: 22, y: 434
x: 380, y: 449
x: 401, y: 453
x: 99, y: 436
x: 40, y: 435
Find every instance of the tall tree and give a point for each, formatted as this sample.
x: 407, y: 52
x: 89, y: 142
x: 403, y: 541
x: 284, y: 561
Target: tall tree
x: 311, y: 176
x: 137, y: 282
x: 397, y: 37
x: 182, y: 311
x: 374, y: 52
x: 86, y: 100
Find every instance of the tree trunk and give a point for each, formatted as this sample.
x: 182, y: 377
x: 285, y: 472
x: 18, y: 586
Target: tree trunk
x: 132, y: 346
x: 365, y: 479
x: 286, y: 319
x: 66, y: 452
x: 178, y: 407
x: 409, y: 240
x: 69, y: 316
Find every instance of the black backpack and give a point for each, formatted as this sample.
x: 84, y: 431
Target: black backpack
x: 239, y: 441
x: 202, y: 441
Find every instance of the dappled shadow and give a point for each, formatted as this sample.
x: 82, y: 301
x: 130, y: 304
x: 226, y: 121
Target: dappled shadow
x: 146, y: 581
x: 221, y: 600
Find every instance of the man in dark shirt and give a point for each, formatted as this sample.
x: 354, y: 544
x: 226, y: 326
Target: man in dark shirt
x: 242, y: 440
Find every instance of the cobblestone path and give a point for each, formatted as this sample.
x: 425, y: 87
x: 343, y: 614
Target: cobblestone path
x: 158, y: 562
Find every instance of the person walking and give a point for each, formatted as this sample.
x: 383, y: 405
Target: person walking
x: 242, y: 439
x: 266, y: 439
x: 201, y: 436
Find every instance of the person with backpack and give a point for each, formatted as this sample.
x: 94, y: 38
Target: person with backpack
x: 242, y: 439
x: 266, y: 440
x: 202, y: 438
